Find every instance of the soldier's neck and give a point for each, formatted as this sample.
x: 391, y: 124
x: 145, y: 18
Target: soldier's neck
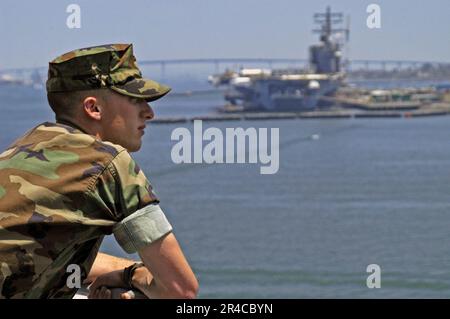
x: 78, y: 126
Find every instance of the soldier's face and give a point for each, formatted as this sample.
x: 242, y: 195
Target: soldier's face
x: 124, y: 120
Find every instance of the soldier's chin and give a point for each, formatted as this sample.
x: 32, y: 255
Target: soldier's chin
x: 133, y: 147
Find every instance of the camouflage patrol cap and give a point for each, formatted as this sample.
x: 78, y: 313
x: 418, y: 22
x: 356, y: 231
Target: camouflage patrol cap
x: 107, y: 66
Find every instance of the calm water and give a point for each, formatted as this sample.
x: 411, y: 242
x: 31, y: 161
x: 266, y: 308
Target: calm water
x: 367, y: 191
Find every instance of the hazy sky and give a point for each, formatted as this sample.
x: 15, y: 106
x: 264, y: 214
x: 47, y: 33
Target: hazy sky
x: 34, y: 32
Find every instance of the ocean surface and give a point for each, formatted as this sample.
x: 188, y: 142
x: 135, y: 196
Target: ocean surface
x: 348, y: 193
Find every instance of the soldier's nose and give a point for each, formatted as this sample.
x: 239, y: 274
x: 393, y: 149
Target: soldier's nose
x: 148, y: 112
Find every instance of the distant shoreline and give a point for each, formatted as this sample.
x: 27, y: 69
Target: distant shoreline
x: 336, y: 114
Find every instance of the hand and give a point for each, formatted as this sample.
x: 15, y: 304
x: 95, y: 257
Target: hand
x: 100, y: 293
x: 111, y: 286
x: 142, y: 281
x: 113, y: 293
x: 101, y: 287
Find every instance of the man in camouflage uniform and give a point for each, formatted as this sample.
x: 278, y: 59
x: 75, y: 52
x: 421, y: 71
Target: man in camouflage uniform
x: 65, y: 185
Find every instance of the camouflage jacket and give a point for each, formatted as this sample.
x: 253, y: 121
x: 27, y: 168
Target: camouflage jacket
x: 61, y: 191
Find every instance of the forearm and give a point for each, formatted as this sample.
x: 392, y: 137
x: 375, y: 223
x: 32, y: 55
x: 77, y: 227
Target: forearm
x: 173, y: 277
x: 155, y: 291
x: 105, y: 263
x: 147, y: 284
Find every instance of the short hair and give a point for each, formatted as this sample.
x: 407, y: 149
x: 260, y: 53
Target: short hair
x: 65, y: 104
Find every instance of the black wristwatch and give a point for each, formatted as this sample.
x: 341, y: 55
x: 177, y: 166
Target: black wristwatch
x: 128, y: 273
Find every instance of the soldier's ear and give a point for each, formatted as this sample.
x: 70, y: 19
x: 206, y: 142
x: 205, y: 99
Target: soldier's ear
x: 92, y: 108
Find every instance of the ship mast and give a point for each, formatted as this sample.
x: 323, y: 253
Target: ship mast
x: 326, y: 58
x: 326, y: 21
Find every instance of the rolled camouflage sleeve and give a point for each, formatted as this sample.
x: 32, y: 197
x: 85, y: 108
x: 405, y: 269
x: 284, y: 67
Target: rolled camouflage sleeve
x: 141, y: 228
x: 127, y: 196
